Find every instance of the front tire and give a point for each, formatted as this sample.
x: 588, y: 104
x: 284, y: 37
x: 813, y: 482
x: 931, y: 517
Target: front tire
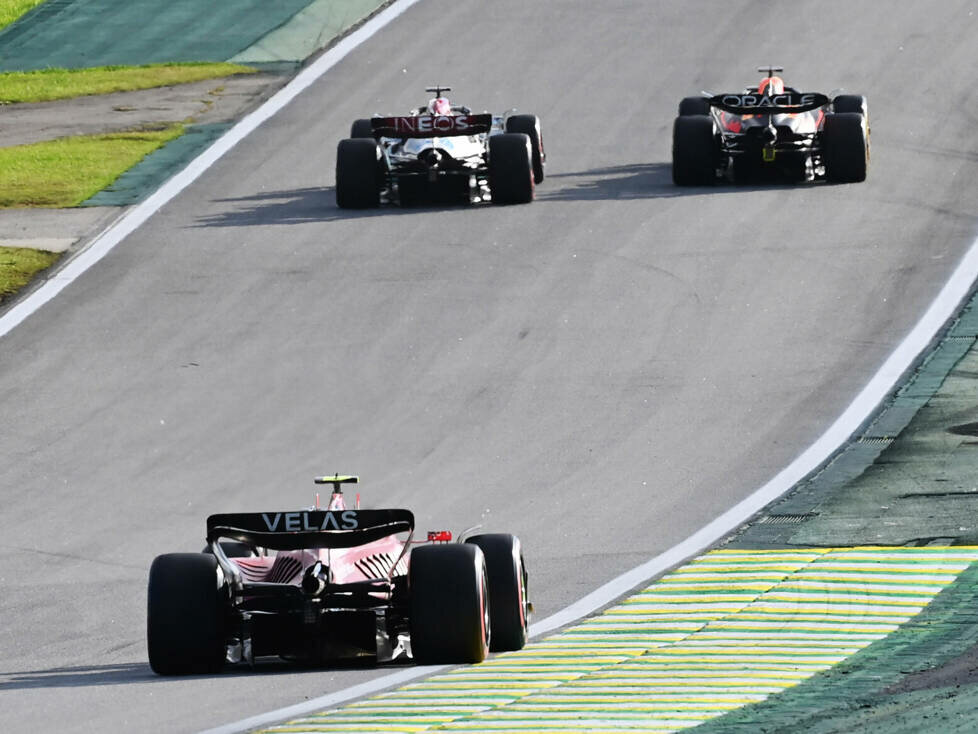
x: 186, y: 620
x: 845, y: 147
x: 449, y: 605
x: 508, y: 603
x: 694, y: 151
x: 511, y: 168
x: 529, y: 125
x: 357, y: 174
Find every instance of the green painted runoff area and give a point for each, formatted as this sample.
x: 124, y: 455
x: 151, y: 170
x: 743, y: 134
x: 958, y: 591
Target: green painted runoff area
x: 152, y: 172
x: 82, y: 33
x: 307, y: 31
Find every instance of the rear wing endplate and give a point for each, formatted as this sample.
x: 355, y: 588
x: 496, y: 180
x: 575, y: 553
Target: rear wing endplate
x: 763, y: 104
x: 430, y: 126
x: 309, y: 528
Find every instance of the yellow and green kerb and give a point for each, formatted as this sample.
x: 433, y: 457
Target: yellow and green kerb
x: 730, y: 628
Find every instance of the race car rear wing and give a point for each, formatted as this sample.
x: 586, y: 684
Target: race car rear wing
x: 763, y: 104
x: 309, y: 528
x: 430, y: 126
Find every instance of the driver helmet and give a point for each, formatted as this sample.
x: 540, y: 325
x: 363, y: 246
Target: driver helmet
x: 771, y: 85
x: 440, y: 106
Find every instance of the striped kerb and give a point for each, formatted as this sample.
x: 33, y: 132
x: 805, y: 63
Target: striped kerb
x: 730, y: 628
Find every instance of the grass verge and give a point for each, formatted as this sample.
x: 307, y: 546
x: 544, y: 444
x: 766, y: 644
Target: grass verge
x: 18, y: 266
x: 51, y: 84
x: 11, y: 10
x: 65, y: 172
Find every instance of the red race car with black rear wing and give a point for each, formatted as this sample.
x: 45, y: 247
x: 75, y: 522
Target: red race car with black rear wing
x: 770, y: 129
x: 440, y: 152
x: 336, y: 584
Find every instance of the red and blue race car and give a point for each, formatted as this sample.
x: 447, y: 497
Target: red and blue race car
x: 770, y: 129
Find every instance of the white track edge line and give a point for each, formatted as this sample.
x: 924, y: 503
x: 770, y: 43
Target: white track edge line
x: 941, y: 310
x: 131, y: 220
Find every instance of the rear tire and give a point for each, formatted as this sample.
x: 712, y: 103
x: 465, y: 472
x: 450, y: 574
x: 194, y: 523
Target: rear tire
x: 508, y: 605
x: 845, y: 147
x: 694, y: 151
x: 186, y: 619
x: 511, y: 168
x: 529, y: 125
x: 694, y: 106
x: 357, y: 174
x: 850, y: 103
x: 361, y: 129
x: 449, y: 604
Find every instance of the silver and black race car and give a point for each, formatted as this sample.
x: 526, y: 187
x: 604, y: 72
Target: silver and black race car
x: 330, y: 584
x: 770, y: 130
x: 440, y: 152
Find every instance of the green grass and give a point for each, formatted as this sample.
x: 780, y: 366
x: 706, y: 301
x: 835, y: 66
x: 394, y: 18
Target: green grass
x: 65, y: 172
x: 11, y: 10
x: 50, y: 84
x: 18, y: 266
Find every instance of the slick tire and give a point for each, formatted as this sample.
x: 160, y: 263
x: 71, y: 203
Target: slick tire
x: 357, y: 174
x: 694, y: 151
x: 449, y: 605
x: 694, y: 106
x: 508, y: 604
x: 845, y: 147
x: 361, y: 129
x: 511, y: 178
x: 529, y: 125
x: 186, y: 619
x: 850, y: 103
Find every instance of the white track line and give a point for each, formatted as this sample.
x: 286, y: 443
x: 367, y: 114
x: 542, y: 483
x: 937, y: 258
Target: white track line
x: 941, y: 310
x: 129, y: 222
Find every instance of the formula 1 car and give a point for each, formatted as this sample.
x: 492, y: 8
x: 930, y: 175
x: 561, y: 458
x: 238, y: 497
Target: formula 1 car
x: 770, y: 129
x: 440, y: 152
x: 335, y: 584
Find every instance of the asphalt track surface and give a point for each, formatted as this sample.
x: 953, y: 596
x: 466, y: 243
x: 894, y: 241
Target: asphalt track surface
x: 601, y: 372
